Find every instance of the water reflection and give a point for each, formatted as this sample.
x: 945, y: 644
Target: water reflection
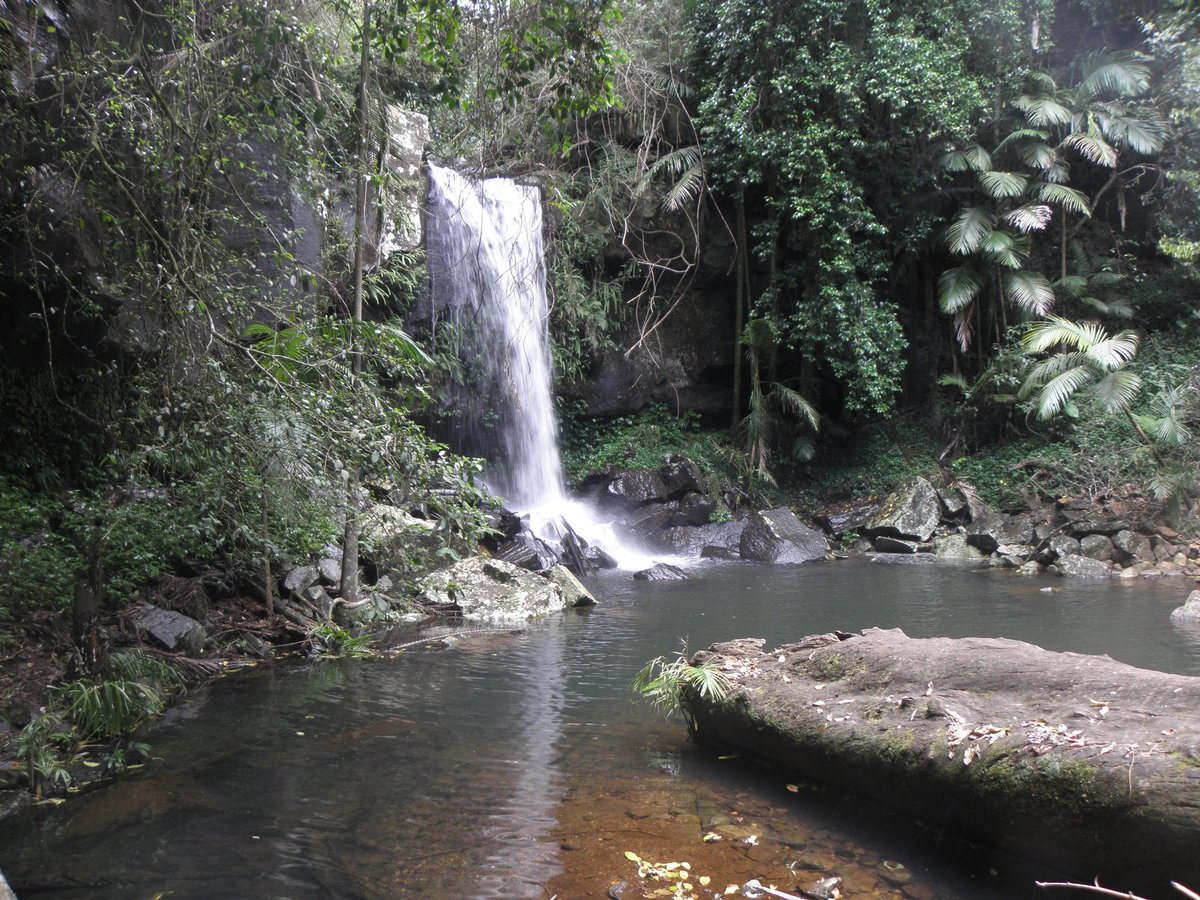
x: 519, y: 765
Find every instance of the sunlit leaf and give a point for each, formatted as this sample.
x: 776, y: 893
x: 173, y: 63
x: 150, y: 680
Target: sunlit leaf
x: 1028, y: 218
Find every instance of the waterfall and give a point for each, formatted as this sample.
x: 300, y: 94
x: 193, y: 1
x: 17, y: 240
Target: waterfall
x: 487, y: 275
x: 488, y: 285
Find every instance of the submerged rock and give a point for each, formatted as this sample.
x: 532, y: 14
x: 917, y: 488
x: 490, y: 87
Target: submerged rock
x: 661, y: 572
x: 492, y: 590
x: 778, y: 536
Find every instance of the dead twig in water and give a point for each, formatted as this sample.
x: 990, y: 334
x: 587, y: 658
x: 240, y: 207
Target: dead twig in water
x: 1108, y: 892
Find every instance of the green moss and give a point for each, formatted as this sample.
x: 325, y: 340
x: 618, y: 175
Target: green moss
x: 1050, y: 785
x: 834, y: 667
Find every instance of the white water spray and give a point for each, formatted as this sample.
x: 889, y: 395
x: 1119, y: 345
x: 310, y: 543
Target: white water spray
x: 488, y: 278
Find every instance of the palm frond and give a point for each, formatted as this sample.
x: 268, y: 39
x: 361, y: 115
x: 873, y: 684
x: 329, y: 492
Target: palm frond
x: 1060, y: 195
x: 1058, y: 172
x: 1119, y: 307
x: 1037, y: 154
x: 685, y: 167
x: 964, y: 327
x: 958, y: 288
x: 1003, y: 184
x: 1072, y: 285
x: 1001, y: 247
x: 1144, y: 133
x: 793, y: 402
x: 1030, y: 291
x: 1116, y: 390
x: 1021, y: 137
x: 1171, y: 484
x: 1093, y: 148
x: 1028, y: 218
x: 1043, y: 83
x: 1041, y: 109
x: 1049, y: 369
x: 1111, y: 353
x: 968, y: 229
x: 1052, y: 331
x: 955, y: 381
x: 971, y: 158
x: 1055, y: 394
x: 1119, y: 73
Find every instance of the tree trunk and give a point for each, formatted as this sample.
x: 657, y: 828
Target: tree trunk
x: 739, y: 316
x: 350, y: 585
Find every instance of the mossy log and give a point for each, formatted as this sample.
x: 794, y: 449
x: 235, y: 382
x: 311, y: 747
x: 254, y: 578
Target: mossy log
x: 1081, y: 762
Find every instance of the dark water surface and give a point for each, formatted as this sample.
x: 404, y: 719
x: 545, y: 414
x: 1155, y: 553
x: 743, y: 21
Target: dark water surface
x: 520, y: 766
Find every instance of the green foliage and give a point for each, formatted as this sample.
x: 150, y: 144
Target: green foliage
x: 333, y: 641
x: 39, y: 563
x: 668, y: 683
x: 1105, y: 120
x: 874, y: 460
x: 1015, y: 473
x: 586, y: 307
x: 822, y: 115
x: 643, y: 440
x: 108, y: 708
x: 40, y: 746
x: 135, y: 688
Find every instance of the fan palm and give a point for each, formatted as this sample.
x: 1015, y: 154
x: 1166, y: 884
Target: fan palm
x: 1024, y: 180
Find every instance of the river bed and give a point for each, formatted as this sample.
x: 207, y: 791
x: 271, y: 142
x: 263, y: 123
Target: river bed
x: 519, y: 765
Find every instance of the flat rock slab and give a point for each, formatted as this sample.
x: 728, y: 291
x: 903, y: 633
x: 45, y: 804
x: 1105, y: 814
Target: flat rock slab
x: 1078, y: 761
x: 169, y: 628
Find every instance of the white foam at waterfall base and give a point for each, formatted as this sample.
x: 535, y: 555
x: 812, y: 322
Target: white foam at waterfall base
x: 488, y: 278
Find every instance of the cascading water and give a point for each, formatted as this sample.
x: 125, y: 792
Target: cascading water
x: 488, y: 283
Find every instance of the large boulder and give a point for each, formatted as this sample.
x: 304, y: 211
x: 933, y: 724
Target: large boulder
x: 911, y: 512
x: 691, y: 540
x: 573, y: 591
x: 846, y: 518
x: 955, y: 546
x: 1096, y: 546
x: 778, y: 536
x: 492, y: 590
x: 1082, y: 567
x: 397, y: 542
x: 1079, y: 761
x: 1130, y: 547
